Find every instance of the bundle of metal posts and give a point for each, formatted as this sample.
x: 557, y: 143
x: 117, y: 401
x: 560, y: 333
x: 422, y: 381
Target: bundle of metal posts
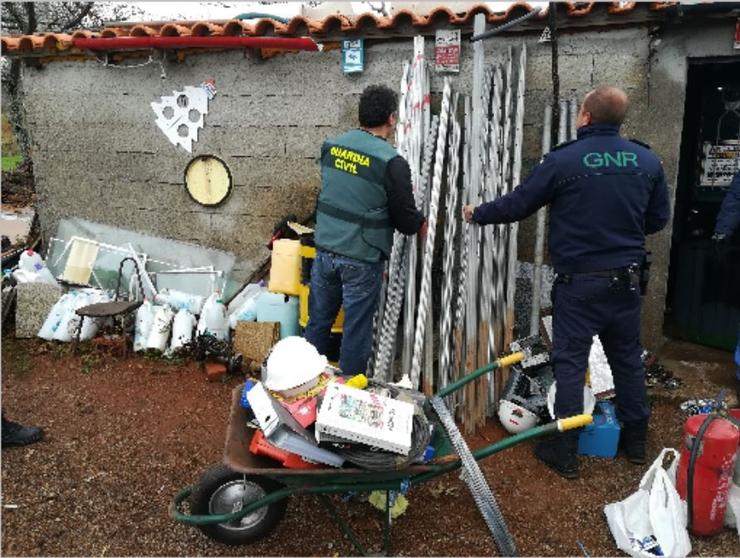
x: 462, y: 283
x: 451, y: 218
x: 413, y: 121
x: 566, y: 132
x: 425, y: 293
x: 479, y: 273
x: 516, y: 172
x: 420, y: 126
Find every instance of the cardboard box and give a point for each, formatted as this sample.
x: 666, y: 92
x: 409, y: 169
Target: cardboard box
x: 254, y: 340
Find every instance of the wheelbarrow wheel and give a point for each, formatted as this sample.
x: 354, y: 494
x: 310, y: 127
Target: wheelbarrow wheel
x: 223, y: 490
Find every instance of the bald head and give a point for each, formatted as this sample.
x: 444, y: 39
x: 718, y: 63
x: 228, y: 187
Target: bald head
x: 603, y: 105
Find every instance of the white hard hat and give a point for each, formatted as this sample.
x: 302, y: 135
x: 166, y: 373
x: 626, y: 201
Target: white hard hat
x: 515, y: 418
x: 292, y: 363
x: 589, y: 401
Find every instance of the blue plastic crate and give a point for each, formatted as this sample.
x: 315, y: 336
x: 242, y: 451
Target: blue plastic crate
x: 601, y: 438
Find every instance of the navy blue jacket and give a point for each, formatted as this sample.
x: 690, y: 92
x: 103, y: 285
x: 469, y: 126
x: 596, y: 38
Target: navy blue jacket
x: 605, y: 194
x: 729, y: 213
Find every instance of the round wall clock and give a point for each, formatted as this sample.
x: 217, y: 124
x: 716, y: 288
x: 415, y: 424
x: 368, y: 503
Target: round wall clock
x: 208, y: 180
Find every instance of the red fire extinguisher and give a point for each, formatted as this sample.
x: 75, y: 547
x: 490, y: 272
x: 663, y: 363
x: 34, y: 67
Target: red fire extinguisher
x: 705, y: 470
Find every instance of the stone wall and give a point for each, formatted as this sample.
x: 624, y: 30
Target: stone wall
x: 98, y: 154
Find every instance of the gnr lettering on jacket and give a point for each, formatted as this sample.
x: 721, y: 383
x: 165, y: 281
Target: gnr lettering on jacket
x: 621, y: 159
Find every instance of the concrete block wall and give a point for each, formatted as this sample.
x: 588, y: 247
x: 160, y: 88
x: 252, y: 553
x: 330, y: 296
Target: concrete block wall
x: 99, y: 155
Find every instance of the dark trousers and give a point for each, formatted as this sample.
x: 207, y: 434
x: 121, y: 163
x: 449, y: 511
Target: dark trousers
x: 335, y: 281
x: 589, y: 305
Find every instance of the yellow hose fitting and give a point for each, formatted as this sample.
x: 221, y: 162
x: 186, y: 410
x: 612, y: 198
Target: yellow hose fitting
x: 510, y: 359
x: 576, y: 421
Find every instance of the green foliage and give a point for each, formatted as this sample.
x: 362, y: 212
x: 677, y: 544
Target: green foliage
x: 10, y: 162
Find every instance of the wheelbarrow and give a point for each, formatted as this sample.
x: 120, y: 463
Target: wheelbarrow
x: 244, y: 498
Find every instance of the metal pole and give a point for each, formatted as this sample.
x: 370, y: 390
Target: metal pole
x: 512, y: 23
x: 539, y: 242
x: 471, y: 326
x: 462, y: 281
x: 426, y: 276
x: 572, y: 119
x: 451, y: 219
x: 563, y: 122
x: 515, y: 178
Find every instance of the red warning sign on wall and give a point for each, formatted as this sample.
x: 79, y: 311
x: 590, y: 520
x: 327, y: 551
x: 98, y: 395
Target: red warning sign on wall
x: 447, y: 50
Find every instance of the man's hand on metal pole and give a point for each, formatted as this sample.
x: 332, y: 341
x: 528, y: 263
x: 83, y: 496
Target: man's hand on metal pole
x: 468, y: 213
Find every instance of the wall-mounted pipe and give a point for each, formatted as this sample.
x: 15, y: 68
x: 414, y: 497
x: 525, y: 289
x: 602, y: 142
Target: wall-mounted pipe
x: 190, y: 41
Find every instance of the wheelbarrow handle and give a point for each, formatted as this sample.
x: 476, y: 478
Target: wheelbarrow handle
x: 500, y: 363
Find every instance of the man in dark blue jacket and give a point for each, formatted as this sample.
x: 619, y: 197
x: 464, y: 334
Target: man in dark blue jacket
x: 728, y: 220
x: 605, y: 194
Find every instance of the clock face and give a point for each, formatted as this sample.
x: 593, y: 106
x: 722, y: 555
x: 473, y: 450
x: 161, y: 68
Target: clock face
x: 208, y: 180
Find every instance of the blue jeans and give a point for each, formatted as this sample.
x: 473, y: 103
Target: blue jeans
x: 335, y: 281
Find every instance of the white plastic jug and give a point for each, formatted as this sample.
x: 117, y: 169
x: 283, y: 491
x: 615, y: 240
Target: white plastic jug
x: 143, y: 324
x: 182, y: 329
x: 55, y: 316
x: 32, y: 269
x: 247, y: 312
x: 70, y: 320
x: 213, y: 318
x: 29, y: 260
x: 179, y: 300
x: 161, y: 328
x: 90, y: 325
x: 251, y: 291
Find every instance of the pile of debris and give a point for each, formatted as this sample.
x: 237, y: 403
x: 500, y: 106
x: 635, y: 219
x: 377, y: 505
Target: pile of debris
x: 306, y: 414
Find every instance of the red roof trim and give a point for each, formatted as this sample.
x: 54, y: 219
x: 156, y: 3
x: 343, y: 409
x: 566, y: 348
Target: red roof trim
x: 301, y: 26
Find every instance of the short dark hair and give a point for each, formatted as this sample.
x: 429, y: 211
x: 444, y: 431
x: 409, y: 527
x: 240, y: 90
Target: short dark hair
x: 607, y: 105
x: 377, y: 103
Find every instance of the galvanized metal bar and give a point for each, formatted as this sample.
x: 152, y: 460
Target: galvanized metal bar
x: 515, y: 179
x: 539, y: 240
x: 425, y: 293
x: 480, y: 36
x: 458, y: 370
x: 451, y: 218
x: 572, y: 119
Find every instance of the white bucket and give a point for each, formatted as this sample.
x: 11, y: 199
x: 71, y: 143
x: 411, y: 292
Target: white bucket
x: 589, y: 401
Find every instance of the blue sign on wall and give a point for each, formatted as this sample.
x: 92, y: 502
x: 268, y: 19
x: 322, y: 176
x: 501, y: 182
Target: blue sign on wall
x: 353, y: 56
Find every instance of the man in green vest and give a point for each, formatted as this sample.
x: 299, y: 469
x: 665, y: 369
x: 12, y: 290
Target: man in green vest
x: 365, y: 195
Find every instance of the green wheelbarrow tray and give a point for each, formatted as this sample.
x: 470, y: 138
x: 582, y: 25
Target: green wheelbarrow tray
x: 330, y: 480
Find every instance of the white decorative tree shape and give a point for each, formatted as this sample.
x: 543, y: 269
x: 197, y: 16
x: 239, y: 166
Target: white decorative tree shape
x: 181, y: 115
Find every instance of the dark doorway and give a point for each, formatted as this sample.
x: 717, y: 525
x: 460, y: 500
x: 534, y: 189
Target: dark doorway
x: 703, y: 299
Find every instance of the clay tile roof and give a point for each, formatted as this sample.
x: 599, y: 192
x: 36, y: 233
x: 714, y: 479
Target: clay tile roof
x: 404, y: 21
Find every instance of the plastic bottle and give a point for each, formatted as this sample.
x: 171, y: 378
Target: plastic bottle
x: 213, y: 319
x: 32, y: 269
x: 144, y: 319
x: 179, y: 300
x: 29, y: 260
x: 55, y: 316
x: 159, y: 333
x: 90, y: 325
x: 182, y: 329
x: 247, y: 312
x: 67, y: 327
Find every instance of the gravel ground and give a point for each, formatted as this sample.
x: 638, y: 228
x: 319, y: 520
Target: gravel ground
x: 124, y: 436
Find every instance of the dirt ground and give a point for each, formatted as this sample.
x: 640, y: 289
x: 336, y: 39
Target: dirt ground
x: 124, y: 436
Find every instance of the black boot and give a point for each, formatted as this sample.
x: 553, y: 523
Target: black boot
x: 632, y: 440
x: 14, y: 434
x: 559, y: 453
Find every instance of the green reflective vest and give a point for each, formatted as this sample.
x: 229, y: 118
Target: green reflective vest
x: 352, y: 216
